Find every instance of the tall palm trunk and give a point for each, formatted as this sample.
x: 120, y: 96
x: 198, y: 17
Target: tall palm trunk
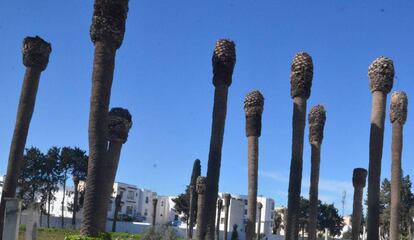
x: 154, y: 211
x: 381, y: 75
x: 259, y: 220
x: 119, y: 124
x: 75, y: 200
x: 201, y: 208
x: 316, y: 118
x: 227, y: 200
x: 219, y: 208
x: 62, y: 218
x: 253, y: 107
x: 35, y: 57
x: 359, y: 180
x: 398, y: 116
x: 301, y: 82
x: 118, y: 202
x: 193, y: 197
x: 107, y: 32
x: 224, y: 58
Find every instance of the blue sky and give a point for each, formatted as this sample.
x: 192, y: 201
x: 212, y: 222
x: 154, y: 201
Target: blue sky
x: 163, y: 76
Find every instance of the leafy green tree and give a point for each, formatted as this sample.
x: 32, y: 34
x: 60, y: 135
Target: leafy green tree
x: 329, y: 218
x: 30, y: 179
x: 235, y: 234
x: 182, y: 204
x: 79, y: 172
x: 65, y: 165
x: 303, y: 216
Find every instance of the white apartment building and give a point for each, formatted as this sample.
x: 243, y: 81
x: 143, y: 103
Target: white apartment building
x: 165, y: 210
x: 238, y: 214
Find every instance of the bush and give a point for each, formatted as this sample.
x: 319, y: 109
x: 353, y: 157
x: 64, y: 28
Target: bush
x: 106, y: 236
x: 162, y: 232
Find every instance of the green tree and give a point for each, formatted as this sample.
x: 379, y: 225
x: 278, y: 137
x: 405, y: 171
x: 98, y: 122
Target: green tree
x: 329, y: 218
x: 303, y: 216
x: 79, y: 173
x: 65, y: 165
x: 182, y: 204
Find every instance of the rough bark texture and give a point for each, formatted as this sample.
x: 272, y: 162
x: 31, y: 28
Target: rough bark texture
x: 316, y: 118
x: 224, y: 59
x: 398, y: 116
x: 227, y: 199
x: 35, y: 57
x: 219, y: 208
x: 106, y: 32
x: 301, y: 82
x: 118, y: 202
x: 381, y: 75
x: 359, y: 180
x: 259, y: 206
x: 119, y: 124
x: 75, y: 200
x: 201, y: 208
x: 253, y: 107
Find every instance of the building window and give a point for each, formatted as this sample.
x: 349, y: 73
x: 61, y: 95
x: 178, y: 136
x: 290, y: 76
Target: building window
x: 162, y: 203
x: 146, y: 212
x: 130, y: 195
x: 245, y: 202
x: 222, y: 221
x: 129, y: 210
x: 146, y: 200
x: 245, y: 211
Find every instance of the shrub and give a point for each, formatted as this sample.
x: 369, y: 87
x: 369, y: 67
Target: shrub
x: 162, y: 232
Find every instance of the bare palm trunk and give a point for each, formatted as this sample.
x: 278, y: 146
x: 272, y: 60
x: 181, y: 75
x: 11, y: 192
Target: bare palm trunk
x: 301, y: 82
x: 154, y: 211
x: 259, y: 221
x: 359, y: 180
x: 118, y: 202
x: 227, y: 200
x: 191, y: 216
x: 75, y: 200
x: 316, y: 118
x: 201, y: 208
x: 120, y: 122
x: 224, y: 58
x: 398, y: 118
x: 253, y: 106
x: 35, y: 57
x: 219, y: 207
x: 62, y: 219
x: 381, y: 74
x: 107, y: 32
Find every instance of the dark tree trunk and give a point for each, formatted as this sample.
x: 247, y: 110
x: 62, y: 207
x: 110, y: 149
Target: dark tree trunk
x: 201, y: 208
x: 259, y: 221
x: 214, y: 158
x: 62, y: 219
x: 227, y: 200
x: 49, y: 195
x: 154, y: 211
x: 191, y: 217
x: 397, y: 145
x: 295, y: 177
x: 111, y: 167
x: 107, y: 32
x: 313, y: 191
x: 253, y: 166
x: 359, y: 180
x: 35, y: 57
x: 375, y: 154
x: 75, y: 204
x: 219, y: 207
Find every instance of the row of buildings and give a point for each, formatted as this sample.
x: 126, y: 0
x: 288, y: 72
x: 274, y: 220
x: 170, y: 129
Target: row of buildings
x: 137, y: 206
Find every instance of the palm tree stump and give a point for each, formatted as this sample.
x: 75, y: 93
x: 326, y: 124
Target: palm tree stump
x: 119, y: 124
x: 301, y: 81
x: 219, y: 208
x: 316, y: 118
x: 259, y: 207
x: 227, y: 200
x: 381, y: 76
x: 201, y: 207
x: 253, y: 107
x: 107, y: 33
x: 358, y: 180
x: 36, y: 53
x: 224, y: 59
x: 193, y: 197
x: 398, y: 117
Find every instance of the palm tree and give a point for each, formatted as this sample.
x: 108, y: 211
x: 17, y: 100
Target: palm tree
x: 359, y: 180
x: 253, y: 107
x: 227, y: 200
x: 259, y: 207
x: 36, y: 53
x: 154, y: 211
x: 201, y: 207
x: 398, y: 116
x: 316, y: 118
x: 219, y: 208
x: 301, y: 81
x: 224, y: 59
x: 119, y: 124
x: 107, y: 32
x: 381, y: 76
x: 193, y: 197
